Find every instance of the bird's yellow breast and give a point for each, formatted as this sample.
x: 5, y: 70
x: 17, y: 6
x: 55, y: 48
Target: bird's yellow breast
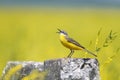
x: 68, y: 44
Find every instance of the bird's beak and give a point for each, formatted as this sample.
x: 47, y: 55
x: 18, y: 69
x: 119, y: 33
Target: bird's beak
x: 58, y: 31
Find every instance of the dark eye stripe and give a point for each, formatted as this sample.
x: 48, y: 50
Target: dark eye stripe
x: 64, y: 32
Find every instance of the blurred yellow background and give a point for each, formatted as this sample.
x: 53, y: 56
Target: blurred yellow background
x: 28, y: 34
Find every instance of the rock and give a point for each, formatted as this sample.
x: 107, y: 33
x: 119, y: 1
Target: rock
x: 58, y: 69
x: 72, y: 69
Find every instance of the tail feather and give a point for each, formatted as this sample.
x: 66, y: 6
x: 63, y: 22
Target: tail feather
x: 90, y: 52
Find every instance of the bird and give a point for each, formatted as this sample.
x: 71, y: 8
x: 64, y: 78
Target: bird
x: 71, y: 43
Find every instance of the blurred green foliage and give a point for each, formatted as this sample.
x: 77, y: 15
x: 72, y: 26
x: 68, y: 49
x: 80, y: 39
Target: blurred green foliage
x: 12, y: 73
x: 36, y: 75
x: 30, y: 34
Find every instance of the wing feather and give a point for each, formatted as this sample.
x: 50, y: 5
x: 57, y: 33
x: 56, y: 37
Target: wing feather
x: 74, y: 42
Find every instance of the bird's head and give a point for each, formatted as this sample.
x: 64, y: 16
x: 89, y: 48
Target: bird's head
x: 61, y: 32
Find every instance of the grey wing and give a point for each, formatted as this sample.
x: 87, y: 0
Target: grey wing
x: 74, y: 42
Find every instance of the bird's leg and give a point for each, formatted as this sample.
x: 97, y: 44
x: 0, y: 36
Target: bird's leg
x: 71, y: 53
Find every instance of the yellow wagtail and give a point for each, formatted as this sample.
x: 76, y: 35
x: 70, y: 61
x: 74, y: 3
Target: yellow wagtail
x: 71, y: 43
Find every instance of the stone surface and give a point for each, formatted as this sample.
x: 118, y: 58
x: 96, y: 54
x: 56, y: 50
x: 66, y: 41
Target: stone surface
x: 72, y: 69
x: 58, y: 69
